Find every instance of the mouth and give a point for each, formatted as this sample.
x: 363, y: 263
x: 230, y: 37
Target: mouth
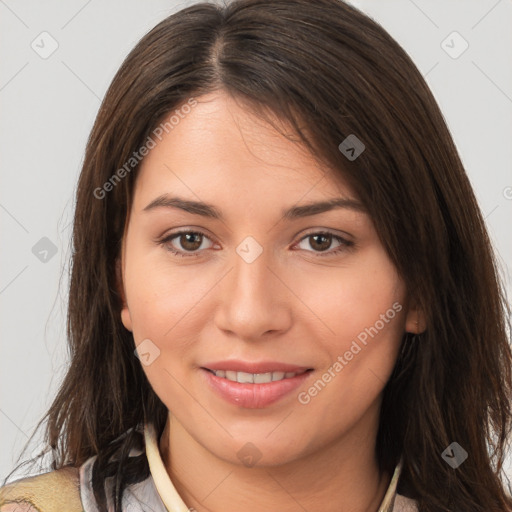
x: 253, y: 385
x: 255, y: 378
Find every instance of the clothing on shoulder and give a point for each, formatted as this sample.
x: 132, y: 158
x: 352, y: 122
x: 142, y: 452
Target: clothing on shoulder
x: 55, y: 491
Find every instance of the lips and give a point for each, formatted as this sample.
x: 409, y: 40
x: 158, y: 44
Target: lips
x: 253, y: 385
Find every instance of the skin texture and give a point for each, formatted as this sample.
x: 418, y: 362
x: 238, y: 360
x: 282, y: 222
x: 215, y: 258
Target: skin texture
x: 292, y: 304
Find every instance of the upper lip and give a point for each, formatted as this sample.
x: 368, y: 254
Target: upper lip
x: 255, y: 367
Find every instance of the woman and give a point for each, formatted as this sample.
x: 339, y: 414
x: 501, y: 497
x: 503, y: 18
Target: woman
x: 283, y: 296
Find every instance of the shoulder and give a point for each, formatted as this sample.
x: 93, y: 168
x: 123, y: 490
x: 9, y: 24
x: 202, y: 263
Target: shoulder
x: 49, y: 492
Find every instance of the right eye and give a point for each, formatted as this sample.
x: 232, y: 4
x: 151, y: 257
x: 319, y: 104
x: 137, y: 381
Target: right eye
x: 190, y: 241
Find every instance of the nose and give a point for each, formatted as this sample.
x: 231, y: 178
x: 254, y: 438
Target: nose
x: 254, y: 303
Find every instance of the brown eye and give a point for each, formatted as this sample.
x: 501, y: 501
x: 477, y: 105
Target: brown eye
x: 190, y: 241
x: 186, y: 243
x: 321, y: 243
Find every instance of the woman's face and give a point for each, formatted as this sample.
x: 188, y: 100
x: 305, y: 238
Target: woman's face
x: 263, y: 284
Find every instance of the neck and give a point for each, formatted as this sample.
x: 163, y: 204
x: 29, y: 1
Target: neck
x: 342, y: 477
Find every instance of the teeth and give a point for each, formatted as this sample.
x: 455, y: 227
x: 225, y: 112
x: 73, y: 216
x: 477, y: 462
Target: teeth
x: 231, y: 375
x: 243, y: 377
x: 253, y: 378
x: 262, y: 378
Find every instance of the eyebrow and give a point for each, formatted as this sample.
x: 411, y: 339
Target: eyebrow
x: 295, y: 212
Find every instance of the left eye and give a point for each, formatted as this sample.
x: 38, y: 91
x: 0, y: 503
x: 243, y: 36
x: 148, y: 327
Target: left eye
x: 321, y: 242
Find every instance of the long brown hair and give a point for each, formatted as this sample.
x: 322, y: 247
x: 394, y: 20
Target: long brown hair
x: 329, y: 71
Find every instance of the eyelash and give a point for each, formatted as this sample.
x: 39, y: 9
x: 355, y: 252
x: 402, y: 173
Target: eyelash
x: 344, y: 244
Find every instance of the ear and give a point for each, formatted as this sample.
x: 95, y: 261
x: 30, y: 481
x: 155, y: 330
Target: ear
x: 415, y: 320
x: 125, y: 312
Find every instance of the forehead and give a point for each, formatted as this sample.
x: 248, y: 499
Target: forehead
x: 219, y: 150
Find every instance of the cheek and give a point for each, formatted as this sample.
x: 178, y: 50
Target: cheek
x: 366, y: 317
x: 361, y: 308
x: 162, y: 300
x: 164, y: 307
x: 351, y: 299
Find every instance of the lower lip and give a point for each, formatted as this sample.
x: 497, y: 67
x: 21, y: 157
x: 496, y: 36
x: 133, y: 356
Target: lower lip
x: 253, y: 396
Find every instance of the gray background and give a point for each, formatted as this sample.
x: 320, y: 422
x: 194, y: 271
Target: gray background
x: 48, y: 106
